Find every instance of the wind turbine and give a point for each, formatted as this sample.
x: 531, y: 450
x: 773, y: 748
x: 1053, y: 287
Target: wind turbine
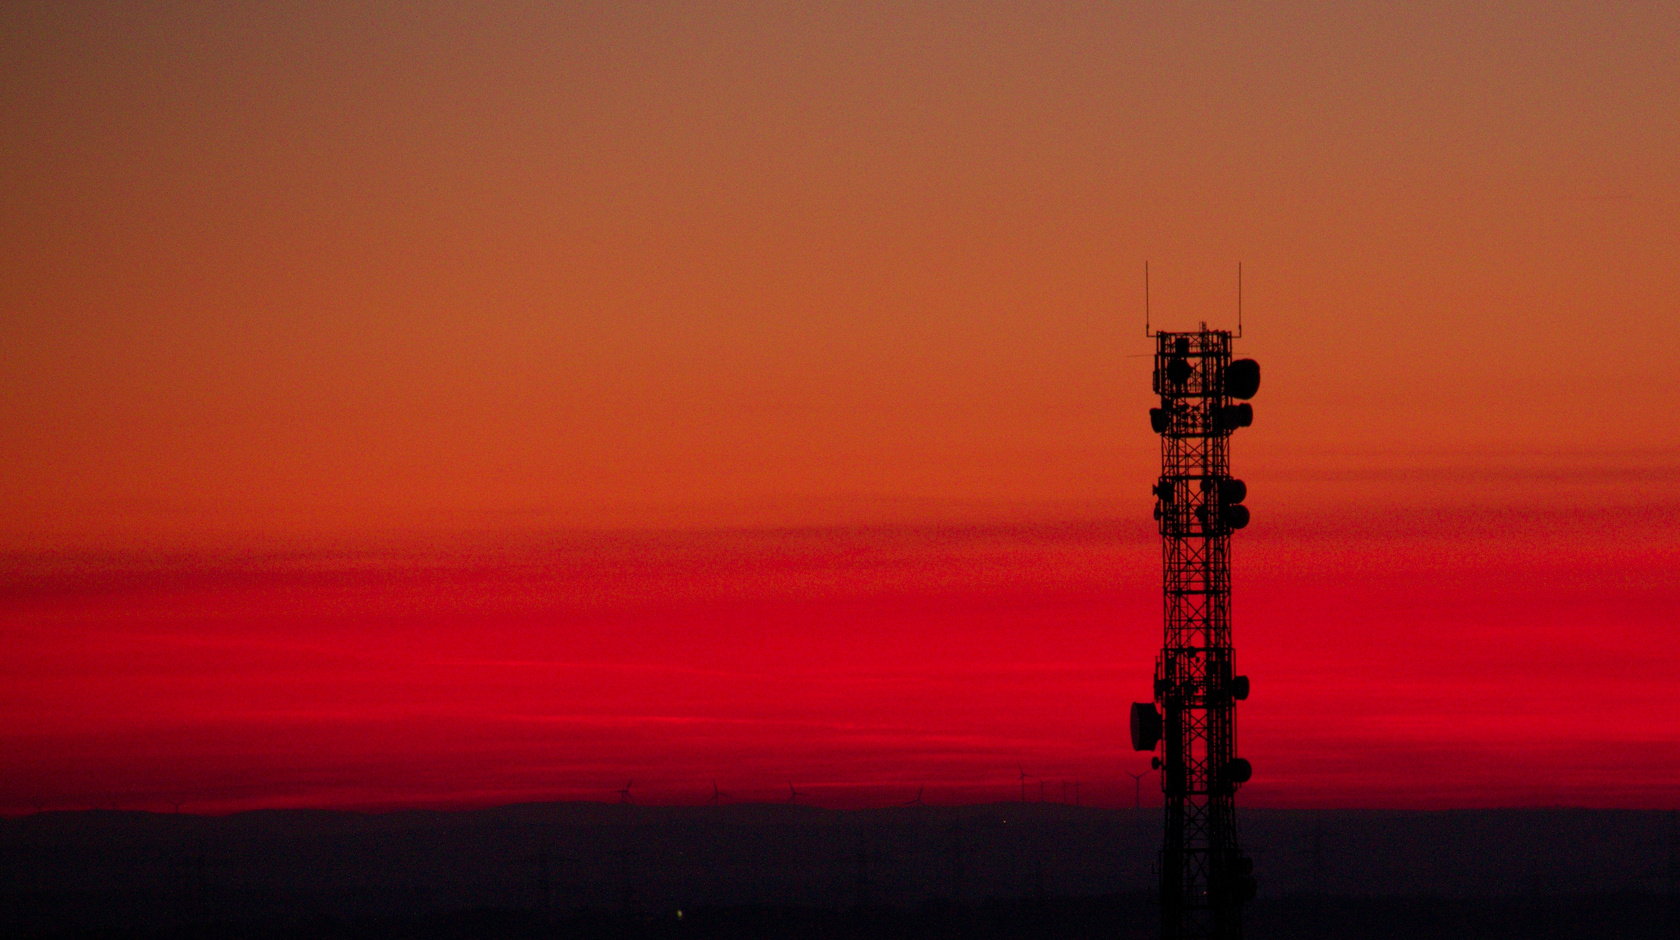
x: 1024, y: 776
x: 717, y: 795
x: 1137, y: 787
x: 624, y: 794
x: 793, y: 795
x: 918, y: 800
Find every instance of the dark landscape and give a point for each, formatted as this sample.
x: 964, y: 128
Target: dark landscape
x: 1006, y: 869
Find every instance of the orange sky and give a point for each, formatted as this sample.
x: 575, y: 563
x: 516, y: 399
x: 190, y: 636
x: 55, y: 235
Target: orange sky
x: 331, y: 276
x: 333, y: 271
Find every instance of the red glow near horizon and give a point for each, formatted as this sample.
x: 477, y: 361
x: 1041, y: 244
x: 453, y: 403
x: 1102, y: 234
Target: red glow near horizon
x: 857, y: 664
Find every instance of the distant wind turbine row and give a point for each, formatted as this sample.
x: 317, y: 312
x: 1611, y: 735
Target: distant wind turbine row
x: 794, y: 795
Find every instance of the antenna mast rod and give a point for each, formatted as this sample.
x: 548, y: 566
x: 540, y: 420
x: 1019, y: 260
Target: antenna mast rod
x: 1146, y: 331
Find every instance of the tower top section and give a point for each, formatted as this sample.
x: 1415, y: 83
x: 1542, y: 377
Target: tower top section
x: 1202, y: 388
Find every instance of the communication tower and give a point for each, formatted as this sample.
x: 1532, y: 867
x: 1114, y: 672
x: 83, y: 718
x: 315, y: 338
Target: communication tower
x: 1205, y: 877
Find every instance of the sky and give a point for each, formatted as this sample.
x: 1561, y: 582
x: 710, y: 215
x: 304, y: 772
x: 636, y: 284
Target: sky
x: 435, y: 405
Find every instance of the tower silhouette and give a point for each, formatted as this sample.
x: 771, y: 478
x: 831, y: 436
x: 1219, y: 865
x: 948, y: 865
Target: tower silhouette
x: 1205, y: 877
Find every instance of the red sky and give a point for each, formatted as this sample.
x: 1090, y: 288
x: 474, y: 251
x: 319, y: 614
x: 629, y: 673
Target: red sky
x: 416, y: 405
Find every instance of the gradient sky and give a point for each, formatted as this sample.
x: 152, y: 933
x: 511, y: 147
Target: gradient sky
x: 418, y: 404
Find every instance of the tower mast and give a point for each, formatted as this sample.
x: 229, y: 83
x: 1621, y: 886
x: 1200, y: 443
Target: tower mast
x: 1205, y: 877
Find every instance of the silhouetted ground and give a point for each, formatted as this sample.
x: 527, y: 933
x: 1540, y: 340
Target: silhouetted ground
x: 1125, y: 917
x: 1004, y: 870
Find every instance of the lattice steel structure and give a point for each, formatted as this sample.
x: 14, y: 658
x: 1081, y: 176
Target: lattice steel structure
x: 1205, y: 877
